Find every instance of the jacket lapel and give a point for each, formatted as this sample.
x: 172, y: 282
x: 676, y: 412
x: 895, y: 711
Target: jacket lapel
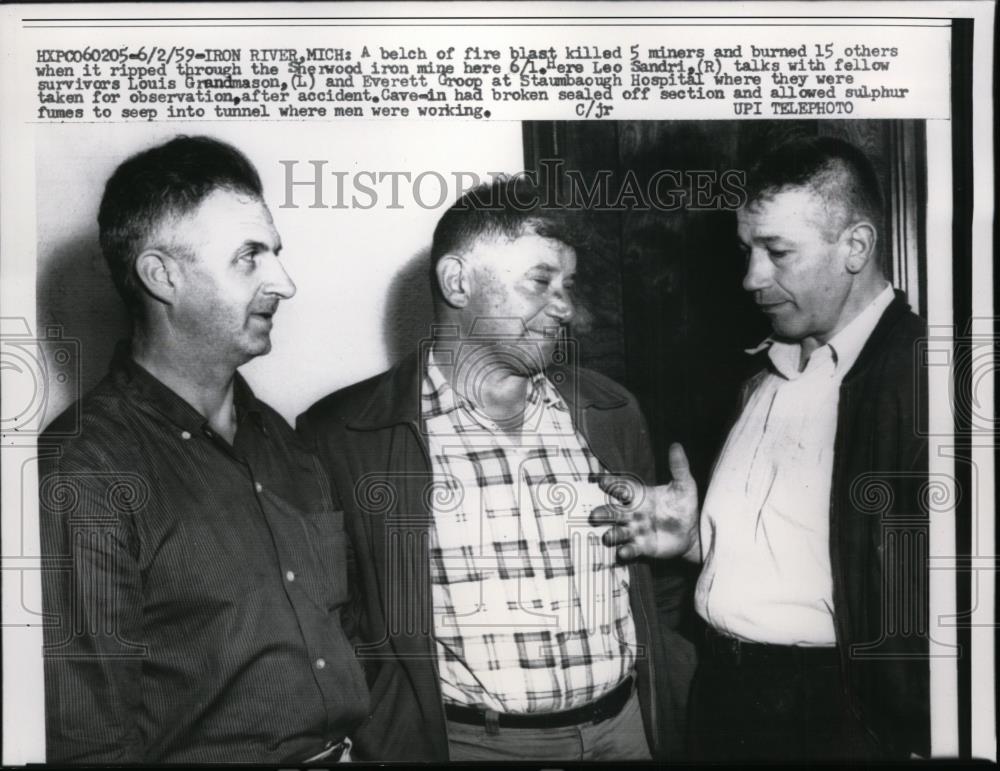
x: 400, y: 529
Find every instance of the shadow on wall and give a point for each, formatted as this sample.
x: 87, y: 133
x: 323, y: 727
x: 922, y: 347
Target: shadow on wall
x: 409, y: 308
x: 76, y: 301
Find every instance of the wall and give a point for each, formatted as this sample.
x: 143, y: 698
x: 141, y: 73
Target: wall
x: 362, y: 296
x: 669, y: 317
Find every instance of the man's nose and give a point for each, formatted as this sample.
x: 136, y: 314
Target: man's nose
x: 758, y: 271
x: 562, y: 308
x: 277, y: 280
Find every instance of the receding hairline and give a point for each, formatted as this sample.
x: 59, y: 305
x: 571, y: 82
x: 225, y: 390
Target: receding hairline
x: 162, y: 233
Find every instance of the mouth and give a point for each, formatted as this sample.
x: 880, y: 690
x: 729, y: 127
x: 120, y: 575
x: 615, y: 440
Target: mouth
x: 772, y: 307
x: 548, y: 333
x: 266, y: 316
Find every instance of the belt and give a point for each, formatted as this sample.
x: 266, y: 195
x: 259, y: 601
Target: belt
x: 332, y: 752
x: 604, y: 708
x: 729, y: 650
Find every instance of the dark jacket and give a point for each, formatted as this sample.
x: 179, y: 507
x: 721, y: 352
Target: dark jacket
x: 371, y: 439
x: 879, y: 532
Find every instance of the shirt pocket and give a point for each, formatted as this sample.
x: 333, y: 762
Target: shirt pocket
x: 327, y: 584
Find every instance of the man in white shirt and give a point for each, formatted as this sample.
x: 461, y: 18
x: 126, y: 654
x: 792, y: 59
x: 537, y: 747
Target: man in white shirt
x: 806, y: 655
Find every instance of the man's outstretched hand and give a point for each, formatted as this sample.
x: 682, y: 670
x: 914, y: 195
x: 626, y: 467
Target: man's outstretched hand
x: 652, y: 521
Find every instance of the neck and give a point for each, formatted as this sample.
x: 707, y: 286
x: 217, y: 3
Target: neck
x: 207, y: 385
x: 496, y: 389
x: 857, y: 301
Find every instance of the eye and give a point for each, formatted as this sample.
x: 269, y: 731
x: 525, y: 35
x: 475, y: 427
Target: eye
x: 777, y: 254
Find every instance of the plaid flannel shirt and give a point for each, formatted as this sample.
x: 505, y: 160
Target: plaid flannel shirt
x: 531, y: 611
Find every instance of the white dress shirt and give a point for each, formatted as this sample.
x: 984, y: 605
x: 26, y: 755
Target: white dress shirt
x: 765, y: 522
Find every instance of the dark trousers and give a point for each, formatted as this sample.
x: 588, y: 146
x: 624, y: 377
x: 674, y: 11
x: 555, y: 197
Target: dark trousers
x: 752, y: 702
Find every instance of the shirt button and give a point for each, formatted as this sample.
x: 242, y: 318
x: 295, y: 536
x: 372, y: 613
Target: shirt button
x: 185, y: 434
x: 290, y: 575
x: 320, y: 664
x: 258, y: 487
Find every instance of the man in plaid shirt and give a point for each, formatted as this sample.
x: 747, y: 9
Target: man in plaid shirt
x: 494, y: 623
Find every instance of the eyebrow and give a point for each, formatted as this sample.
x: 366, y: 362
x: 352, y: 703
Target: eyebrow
x: 261, y: 246
x: 768, y: 240
x: 551, y: 270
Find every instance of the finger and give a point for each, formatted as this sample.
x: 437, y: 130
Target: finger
x: 607, y: 515
x: 627, y: 552
x: 618, y: 487
x: 680, y: 469
x: 616, y: 536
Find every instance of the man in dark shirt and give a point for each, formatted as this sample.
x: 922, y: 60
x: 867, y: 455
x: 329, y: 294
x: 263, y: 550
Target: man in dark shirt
x: 196, y: 567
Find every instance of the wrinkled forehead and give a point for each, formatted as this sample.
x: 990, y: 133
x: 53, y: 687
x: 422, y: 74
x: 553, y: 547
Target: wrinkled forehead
x: 223, y: 214
x: 226, y: 204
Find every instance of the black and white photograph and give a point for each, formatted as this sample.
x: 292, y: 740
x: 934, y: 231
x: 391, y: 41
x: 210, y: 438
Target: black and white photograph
x: 534, y: 384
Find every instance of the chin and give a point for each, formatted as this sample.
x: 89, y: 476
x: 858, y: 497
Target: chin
x: 539, y: 356
x: 788, y: 330
x: 258, y: 348
x: 529, y: 363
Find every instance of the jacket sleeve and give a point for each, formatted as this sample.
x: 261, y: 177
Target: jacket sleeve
x: 900, y: 693
x: 879, y: 539
x: 92, y: 600
x: 908, y: 568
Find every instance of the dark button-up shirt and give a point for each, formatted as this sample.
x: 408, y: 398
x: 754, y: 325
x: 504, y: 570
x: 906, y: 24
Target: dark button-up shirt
x: 193, y: 589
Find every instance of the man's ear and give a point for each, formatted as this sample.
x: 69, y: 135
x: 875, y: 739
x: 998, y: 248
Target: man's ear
x: 157, y: 272
x: 453, y: 277
x: 861, y: 238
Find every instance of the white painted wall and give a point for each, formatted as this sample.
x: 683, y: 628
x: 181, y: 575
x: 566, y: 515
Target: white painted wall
x: 362, y: 292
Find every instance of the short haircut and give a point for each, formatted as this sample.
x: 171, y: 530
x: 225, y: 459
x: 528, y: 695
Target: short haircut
x: 166, y: 181
x: 506, y: 208
x: 832, y: 168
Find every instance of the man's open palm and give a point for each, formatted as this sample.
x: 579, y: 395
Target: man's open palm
x: 657, y: 521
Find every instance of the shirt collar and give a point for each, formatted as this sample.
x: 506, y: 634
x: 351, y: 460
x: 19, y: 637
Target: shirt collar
x: 131, y: 375
x: 849, y: 341
x: 441, y: 398
x: 843, y: 348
